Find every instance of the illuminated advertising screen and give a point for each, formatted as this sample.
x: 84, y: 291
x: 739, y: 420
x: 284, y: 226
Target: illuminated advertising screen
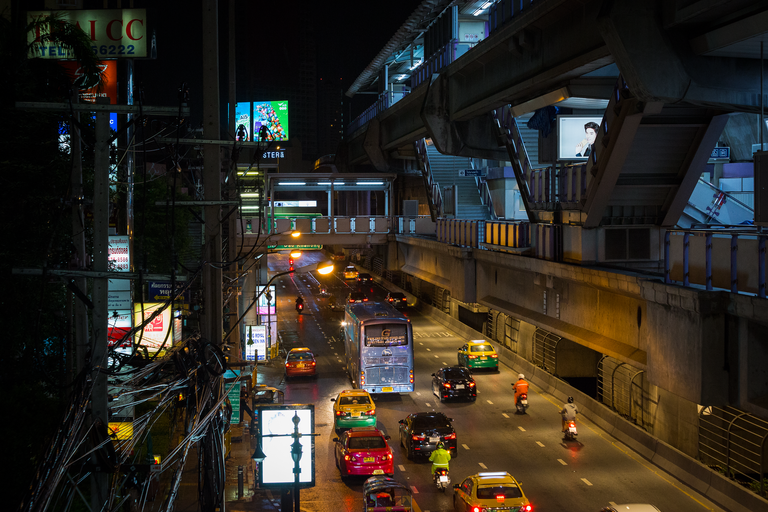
x: 243, y: 117
x: 114, y: 33
x: 118, y: 256
x: 256, y: 342
x: 273, y: 115
x: 108, y: 88
x: 576, y: 136
x: 154, y: 333
x: 276, y: 424
x: 267, y: 301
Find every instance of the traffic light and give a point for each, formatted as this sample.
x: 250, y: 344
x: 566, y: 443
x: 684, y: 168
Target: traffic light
x: 290, y: 262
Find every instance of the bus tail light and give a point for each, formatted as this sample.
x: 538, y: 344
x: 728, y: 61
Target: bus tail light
x: 411, y: 376
x: 362, y: 377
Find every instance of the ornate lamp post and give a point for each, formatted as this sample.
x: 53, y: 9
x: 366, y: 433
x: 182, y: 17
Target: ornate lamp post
x: 296, y: 451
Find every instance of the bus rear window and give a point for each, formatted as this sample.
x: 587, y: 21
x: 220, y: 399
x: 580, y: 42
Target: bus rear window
x: 386, y: 335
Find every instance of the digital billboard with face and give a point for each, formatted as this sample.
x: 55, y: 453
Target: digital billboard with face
x: 576, y: 136
x: 274, y: 116
x: 276, y: 424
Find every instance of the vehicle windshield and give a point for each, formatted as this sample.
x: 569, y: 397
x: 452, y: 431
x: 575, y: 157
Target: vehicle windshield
x: 354, y: 400
x: 457, y: 373
x: 480, y: 348
x: 490, y: 492
x: 436, y: 421
x: 366, y: 443
x: 396, y: 295
x: 300, y: 356
x: 386, y: 335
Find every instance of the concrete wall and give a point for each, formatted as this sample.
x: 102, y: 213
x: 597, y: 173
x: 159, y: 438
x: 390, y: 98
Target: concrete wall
x: 574, y: 360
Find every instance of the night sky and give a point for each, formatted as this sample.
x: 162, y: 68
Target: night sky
x: 348, y: 36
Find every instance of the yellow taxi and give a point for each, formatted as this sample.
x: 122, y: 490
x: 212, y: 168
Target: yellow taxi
x: 478, y: 354
x: 353, y: 408
x: 350, y: 272
x: 486, y: 492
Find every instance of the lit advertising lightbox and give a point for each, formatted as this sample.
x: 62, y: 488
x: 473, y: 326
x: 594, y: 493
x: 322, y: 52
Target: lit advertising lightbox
x: 107, y: 88
x: 267, y: 301
x: 276, y: 426
x: 256, y: 342
x: 154, y: 333
x: 118, y: 254
x: 576, y: 136
x: 114, y: 33
x: 273, y: 115
x: 243, y: 116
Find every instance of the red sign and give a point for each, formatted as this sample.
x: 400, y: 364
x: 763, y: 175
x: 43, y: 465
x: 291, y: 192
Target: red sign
x: 108, y: 87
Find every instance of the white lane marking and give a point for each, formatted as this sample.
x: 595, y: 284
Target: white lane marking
x: 429, y: 350
x: 420, y: 343
x: 505, y: 415
x: 489, y: 402
x: 483, y: 465
x: 415, y: 490
x: 540, y: 444
x: 561, y: 461
x: 436, y: 357
x: 335, y: 353
x: 612, y: 503
x: 445, y: 364
x: 586, y: 482
x: 465, y: 447
x: 521, y: 429
x: 428, y: 404
x: 401, y: 467
x: 419, y: 394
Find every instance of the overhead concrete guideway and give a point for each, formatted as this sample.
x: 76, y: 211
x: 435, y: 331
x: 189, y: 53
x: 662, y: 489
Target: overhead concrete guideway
x: 596, y: 274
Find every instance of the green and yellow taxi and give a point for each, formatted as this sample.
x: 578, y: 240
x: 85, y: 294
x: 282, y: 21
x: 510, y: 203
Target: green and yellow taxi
x: 478, y: 354
x: 353, y: 408
x: 486, y: 492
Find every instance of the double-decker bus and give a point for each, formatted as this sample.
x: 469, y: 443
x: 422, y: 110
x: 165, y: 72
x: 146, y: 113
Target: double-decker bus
x: 378, y: 342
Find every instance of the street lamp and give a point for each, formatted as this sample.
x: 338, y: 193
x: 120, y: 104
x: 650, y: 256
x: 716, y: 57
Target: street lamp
x: 296, y: 451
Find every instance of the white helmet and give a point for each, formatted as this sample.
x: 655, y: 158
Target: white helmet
x: 520, y: 377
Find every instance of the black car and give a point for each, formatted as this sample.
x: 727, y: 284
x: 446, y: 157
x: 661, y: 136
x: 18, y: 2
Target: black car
x: 356, y: 297
x: 421, y: 431
x: 454, y: 382
x: 364, y: 277
x: 397, y: 299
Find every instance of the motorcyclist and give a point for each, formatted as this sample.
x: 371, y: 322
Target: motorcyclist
x: 520, y: 387
x: 439, y: 458
x: 569, y: 412
x: 299, y: 301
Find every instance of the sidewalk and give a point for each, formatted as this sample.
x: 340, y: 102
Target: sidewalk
x: 243, y: 445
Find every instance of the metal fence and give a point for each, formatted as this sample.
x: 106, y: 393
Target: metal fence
x: 545, y: 350
x: 734, y: 442
x: 620, y: 387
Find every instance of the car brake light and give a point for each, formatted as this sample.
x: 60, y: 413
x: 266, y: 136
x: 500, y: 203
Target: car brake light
x: 500, y: 498
x: 370, y: 412
x: 471, y: 384
x: 287, y: 365
x: 447, y: 385
x: 478, y: 509
x: 473, y: 357
x: 365, y: 299
x: 527, y: 508
x: 313, y: 363
x: 339, y: 413
x: 450, y: 436
x: 494, y: 355
x: 346, y: 457
x: 417, y: 437
x: 403, y: 298
x: 386, y: 457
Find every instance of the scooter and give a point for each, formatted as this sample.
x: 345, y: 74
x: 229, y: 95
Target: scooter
x: 442, y: 479
x: 299, y: 307
x: 522, y: 403
x: 570, y: 431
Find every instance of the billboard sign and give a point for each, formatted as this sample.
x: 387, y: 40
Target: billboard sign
x: 161, y: 290
x: 154, y: 333
x: 267, y: 301
x: 243, y: 117
x: 108, y: 88
x: 256, y: 342
x: 273, y: 115
x: 118, y: 325
x: 576, y: 136
x: 276, y: 424
x: 118, y: 257
x: 114, y: 33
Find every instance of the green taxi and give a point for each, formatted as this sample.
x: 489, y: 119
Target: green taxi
x: 353, y: 408
x: 478, y: 354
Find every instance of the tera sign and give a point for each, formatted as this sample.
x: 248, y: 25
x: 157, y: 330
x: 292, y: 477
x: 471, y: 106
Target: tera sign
x: 114, y: 33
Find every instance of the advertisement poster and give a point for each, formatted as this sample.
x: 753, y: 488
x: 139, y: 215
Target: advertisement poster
x: 273, y: 115
x: 576, y: 136
x: 114, y: 33
x: 118, y: 257
x: 154, y: 333
x: 267, y: 301
x: 256, y: 342
x: 243, y: 117
x: 108, y: 87
x: 278, y: 423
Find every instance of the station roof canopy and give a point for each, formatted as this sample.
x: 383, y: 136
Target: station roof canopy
x: 323, y: 181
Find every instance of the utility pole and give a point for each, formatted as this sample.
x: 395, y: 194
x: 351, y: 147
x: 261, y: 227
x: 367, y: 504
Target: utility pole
x: 233, y: 219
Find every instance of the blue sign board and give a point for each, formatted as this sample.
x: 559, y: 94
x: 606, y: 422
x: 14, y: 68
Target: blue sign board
x: 472, y: 172
x: 161, y: 290
x: 720, y: 154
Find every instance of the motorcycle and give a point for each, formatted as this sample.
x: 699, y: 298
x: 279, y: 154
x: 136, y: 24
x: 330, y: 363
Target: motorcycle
x: 522, y: 403
x: 442, y: 479
x: 570, y: 431
x: 299, y: 307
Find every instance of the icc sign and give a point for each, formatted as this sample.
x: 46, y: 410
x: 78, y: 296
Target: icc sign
x: 114, y: 33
